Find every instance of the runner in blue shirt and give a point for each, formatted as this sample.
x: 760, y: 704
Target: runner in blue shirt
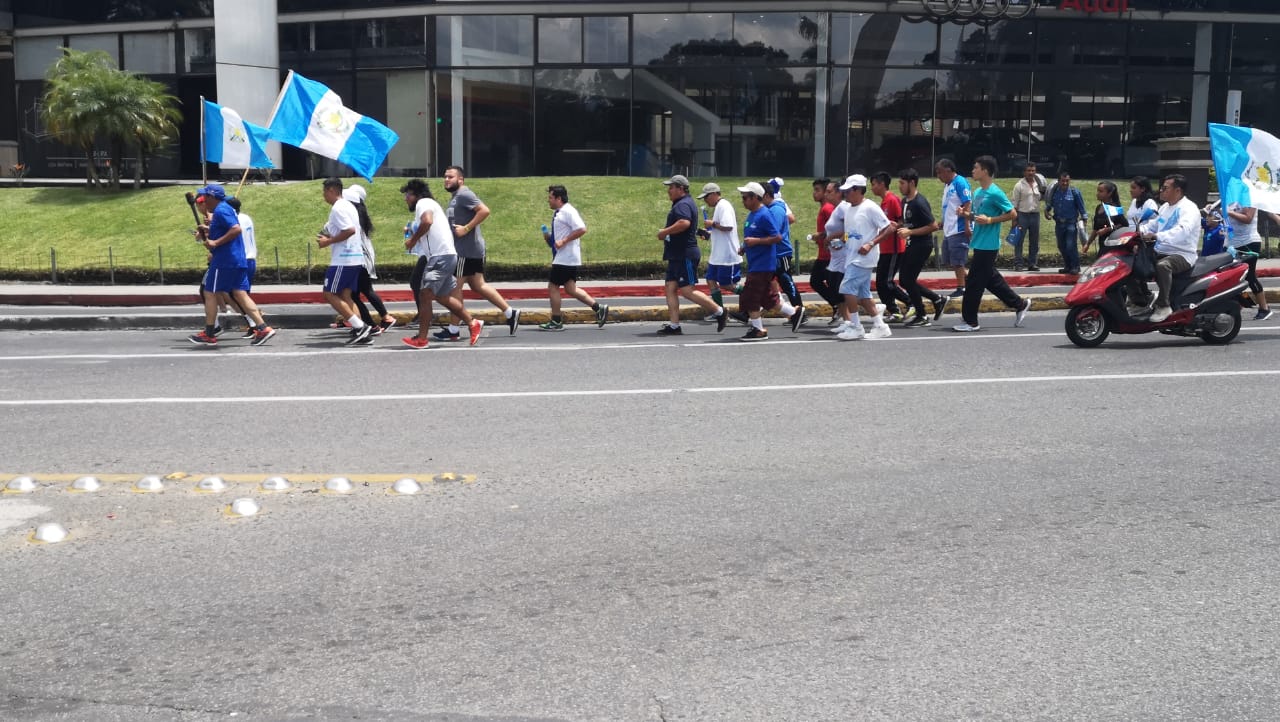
x: 228, y: 269
x: 989, y: 209
x: 680, y: 251
x: 785, y: 251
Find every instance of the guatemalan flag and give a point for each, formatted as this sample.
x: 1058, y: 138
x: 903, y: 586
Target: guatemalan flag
x: 231, y: 142
x: 1247, y: 162
x: 310, y: 116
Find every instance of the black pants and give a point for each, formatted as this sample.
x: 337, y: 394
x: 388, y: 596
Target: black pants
x: 820, y: 280
x: 1254, y: 284
x: 785, y: 282
x: 366, y: 289
x: 835, y: 279
x: 983, y: 276
x: 913, y: 262
x: 889, y: 291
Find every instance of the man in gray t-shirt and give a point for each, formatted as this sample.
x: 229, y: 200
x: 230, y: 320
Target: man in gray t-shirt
x: 466, y: 212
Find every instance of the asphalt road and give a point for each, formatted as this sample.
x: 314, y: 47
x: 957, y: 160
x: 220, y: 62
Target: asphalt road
x: 934, y: 526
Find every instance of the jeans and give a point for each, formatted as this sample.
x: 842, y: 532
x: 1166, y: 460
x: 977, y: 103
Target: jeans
x: 983, y: 276
x: 1068, y: 244
x: 820, y: 280
x: 890, y: 293
x: 1030, y: 225
x: 913, y: 261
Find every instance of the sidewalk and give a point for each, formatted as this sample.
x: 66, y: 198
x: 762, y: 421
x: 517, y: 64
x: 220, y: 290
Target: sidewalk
x: 34, y: 306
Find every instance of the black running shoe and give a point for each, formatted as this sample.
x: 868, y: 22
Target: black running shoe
x: 756, y: 334
x: 514, y: 321
x: 722, y: 320
x: 669, y: 330
x: 797, y: 318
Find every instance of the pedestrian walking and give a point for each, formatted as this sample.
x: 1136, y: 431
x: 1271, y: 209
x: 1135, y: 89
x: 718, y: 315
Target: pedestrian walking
x: 819, y: 272
x: 784, y: 273
x: 434, y: 278
x: 760, y: 234
x: 1107, y: 216
x: 891, y: 249
x: 1248, y: 244
x: 1028, y: 195
x: 228, y: 269
x: 917, y: 229
x: 865, y: 226
x: 465, y: 214
x: 990, y: 208
x: 839, y: 247
x: 1066, y: 209
x: 680, y: 251
x: 724, y: 270
x: 356, y: 194
x: 565, y: 236
x: 956, y: 230
x: 341, y: 235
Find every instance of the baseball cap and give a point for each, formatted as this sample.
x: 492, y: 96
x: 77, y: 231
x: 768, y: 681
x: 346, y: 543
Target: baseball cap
x: 857, y: 180
x: 752, y: 187
x: 677, y: 180
x: 708, y: 189
x: 355, y: 193
x: 214, y: 190
x: 776, y: 184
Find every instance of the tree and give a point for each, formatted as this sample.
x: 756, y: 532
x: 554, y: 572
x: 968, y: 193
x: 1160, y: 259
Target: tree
x: 87, y: 98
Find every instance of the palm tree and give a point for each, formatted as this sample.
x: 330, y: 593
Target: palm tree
x: 88, y: 98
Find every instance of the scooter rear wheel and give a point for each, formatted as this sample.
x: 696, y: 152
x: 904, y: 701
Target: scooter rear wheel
x: 1223, y: 334
x: 1087, y: 326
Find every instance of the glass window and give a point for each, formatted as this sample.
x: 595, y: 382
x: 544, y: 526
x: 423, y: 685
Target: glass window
x: 583, y: 121
x: 484, y: 121
x: 108, y: 43
x: 679, y: 39
x: 559, y: 40
x: 150, y: 53
x: 784, y: 38
x: 392, y: 43
x: 1252, y: 47
x: 890, y: 121
x: 484, y: 40
x: 28, y: 13
x: 33, y: 56
x: 1083, y: 116
x: 1257, y: 100
x: 1081, y: 42
x: 1162, y: 44
x: 882, y: 39
x: 198, y: 47
x: 607, y: 40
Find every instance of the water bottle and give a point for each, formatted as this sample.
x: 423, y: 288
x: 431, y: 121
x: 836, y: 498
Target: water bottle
x: 551, y: 242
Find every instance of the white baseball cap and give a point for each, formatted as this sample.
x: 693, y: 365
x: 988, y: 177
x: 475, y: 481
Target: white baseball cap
x: 753, y: 187
x: 857, y: 180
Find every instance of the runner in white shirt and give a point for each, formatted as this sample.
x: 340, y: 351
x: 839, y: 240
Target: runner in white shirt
x: 250, y: 241
x: 567, y: 230
x: 839, y: 249
x: 341, y: 235
x: 1244, y: 238
x: 431, y: 239
x: 724, y: 269
x: 865, y: 225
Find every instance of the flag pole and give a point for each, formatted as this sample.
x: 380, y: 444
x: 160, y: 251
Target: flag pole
x: 242, y: 180
x: 204, y: 169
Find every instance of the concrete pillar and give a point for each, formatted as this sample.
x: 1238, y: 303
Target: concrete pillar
x: 1200, y: 81
x: 247, y: 60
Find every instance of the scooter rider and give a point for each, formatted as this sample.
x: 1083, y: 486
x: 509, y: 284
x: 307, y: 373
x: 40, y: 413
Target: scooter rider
x: 1176, y: 233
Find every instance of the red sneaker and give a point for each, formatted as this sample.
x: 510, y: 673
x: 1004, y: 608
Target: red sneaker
x: 415, y: 342
x: 476, y: 327
x: 202, y: 339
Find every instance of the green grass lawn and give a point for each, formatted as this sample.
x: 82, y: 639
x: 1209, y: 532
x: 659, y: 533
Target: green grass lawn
x: 622, y: 214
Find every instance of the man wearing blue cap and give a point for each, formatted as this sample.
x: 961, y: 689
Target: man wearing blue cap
x: 228, y: 269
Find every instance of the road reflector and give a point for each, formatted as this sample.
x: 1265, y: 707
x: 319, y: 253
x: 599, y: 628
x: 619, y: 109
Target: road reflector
x: 149, y: 485
x: 406, y: 487
x: 20, y: 485
x: 276, y: 483
x: 243, y: 507
x: 49, y: 534
x: 211, y: 485
x: 337, y: 485
x: 85, y: 484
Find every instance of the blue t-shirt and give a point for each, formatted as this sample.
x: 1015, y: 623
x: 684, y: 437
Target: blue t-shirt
x: 231, y: 254
x: 680, y: 246
x: 779, y: 211
x: 761, y: 223
x: 992, y: 202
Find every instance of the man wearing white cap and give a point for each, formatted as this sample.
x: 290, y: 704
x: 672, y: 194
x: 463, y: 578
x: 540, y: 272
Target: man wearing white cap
x: 760, y: 236
x: 865, y: 225
x: 725, y: 267
x: 680, y: 250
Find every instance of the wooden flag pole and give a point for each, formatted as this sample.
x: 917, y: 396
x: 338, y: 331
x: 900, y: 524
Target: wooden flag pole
x: 204, y: 169
x: 242, y: 180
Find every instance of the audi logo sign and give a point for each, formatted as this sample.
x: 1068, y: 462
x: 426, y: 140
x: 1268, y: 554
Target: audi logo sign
x: 963, y: 10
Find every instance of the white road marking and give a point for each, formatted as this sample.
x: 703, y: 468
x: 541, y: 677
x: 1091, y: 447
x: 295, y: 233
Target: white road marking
x: 161, y: 400
x: 15, y: 512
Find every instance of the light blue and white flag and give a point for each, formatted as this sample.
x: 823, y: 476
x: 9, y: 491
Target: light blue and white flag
x: 310, y: 116
x: 231, y: 142
x: 1247, y: 162
x: 1112, y: 211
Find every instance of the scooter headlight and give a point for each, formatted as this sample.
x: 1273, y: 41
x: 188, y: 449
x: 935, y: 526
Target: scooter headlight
x: 1097, y: 269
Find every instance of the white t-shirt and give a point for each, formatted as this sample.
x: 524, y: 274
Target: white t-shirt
x: 1135, y: 214
x: 835, y: 234
x: 350, y: 252
x: 862, y: 223
x: 250, y: 241
x: 566, y: 221
x: 1241, y: 234
x: 724, y: 244
x: 438, y: 240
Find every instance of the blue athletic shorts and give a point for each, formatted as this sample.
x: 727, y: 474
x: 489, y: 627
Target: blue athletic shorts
x: 226, y: 280
x: 857, y: 282
x: 251, y: 272
x: 727, y: 275
x: 338, y: 278
x: 955, y: 250
x: 683, y: 271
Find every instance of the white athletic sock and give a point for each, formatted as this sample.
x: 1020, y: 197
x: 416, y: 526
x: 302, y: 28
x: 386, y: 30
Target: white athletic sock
x: 786, y: 308
x: 757, y: 323
x: 719, y: 313
x: 853, y: 319
x: 508, y: 312
x: 355, y: 322
x: 454, y: 328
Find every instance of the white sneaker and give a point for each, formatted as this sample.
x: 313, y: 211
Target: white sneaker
x: 1021, y: 316
x: 1160, y: 314
x: 840, y: 328
x: 852, y: 332
x: 880, y: 330
x: 880, y: 307
x: 965, y: 328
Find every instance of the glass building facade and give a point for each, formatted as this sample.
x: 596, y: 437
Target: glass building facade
x: 807, y: 88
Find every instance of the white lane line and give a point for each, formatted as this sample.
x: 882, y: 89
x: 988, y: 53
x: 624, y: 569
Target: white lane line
x: 244, y: 353
x: 158, y: 400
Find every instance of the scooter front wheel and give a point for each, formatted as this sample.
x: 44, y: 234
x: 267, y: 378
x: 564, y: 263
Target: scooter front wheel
x: 1087, y: 326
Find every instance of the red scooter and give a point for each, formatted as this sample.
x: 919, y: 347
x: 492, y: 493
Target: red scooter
x: 1206, y: 301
